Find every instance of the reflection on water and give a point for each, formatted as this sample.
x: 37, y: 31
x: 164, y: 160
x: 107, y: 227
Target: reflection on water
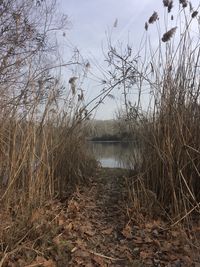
x: 113, y: 154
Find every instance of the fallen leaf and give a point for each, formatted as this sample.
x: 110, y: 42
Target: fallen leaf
x: 82, y: 253
x: 157, y: 243
x: 49, y: 263
x: 12, y: 264
x: 36, y: 215
x: 61, y: 222
x: 107, y: 231
x: 127, y: 232
x: 138, y: 240
x: 89, y: 232
x: 87, y: 229
x: 148, y: 240
x: 80, y: 243
x: 57, y: 239
x: 166, y: 246
x: 89, y: 264
x: 40, y: 259
x: 144, y: 255
x: 69, y: 226
x: 174, y: 233
x: 73, y: 206
x: 100, y: 261
x: 187, y: 260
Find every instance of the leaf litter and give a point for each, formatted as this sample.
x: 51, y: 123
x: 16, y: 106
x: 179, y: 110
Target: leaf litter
x: 93, y: 229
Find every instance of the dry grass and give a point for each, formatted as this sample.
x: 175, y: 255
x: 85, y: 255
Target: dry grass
x: 42, y: 146
x: 40, y: 162
x: 170, y: 152
x: 169, y: 143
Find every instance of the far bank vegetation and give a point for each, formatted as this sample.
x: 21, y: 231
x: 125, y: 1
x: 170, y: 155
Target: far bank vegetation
x: 109, y: 130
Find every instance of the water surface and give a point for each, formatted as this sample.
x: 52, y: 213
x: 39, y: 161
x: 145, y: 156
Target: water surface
x: 113, y: 154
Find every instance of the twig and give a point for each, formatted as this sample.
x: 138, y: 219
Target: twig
x: 182, y: 218
x: 4, y: 257
x: 105, y: 257
x: 27, y: 233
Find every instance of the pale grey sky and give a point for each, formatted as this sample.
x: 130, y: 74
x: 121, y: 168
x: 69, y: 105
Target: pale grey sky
x: 91, y: 19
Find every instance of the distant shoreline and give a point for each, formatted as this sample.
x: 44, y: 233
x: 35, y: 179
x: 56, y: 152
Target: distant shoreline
x: 110, y: 141
x: 101, y: 140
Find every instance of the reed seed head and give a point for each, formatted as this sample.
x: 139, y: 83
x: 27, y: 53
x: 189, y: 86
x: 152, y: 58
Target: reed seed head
x: 166, y: 3
x: 72, y: 81
x: 153, y: 18
x: 183, y: 3
x: 168, y: 35
x: 194, y: 14
x: 170, y: 6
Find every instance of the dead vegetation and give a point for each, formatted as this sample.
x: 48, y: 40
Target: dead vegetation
x: 93, y: 230
x: 148, y: 218
x: 168, y: 129
x: 42, y: 148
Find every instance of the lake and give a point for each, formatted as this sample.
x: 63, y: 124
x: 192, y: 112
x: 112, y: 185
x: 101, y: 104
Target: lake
x: 114, y: 154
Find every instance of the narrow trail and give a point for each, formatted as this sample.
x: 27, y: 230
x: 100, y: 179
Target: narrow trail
x: 103, y: 237
x: 93, y: 229
x: 101, y: 222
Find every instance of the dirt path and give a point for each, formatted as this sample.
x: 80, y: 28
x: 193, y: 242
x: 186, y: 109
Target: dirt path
x: 103, y: 236
x: 102, y: 222
x: 93, y: 230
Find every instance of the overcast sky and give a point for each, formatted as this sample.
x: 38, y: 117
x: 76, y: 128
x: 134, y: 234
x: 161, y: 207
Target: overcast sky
x: 91, y: 19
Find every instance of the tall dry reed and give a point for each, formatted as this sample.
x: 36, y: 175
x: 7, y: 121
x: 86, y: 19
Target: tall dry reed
x: 42, y: 146
x: 168, y: 129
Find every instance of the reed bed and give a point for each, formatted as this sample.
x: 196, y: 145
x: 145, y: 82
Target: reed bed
x: 170, y: 161
x: 42, y: 144
x: 168, y: 129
